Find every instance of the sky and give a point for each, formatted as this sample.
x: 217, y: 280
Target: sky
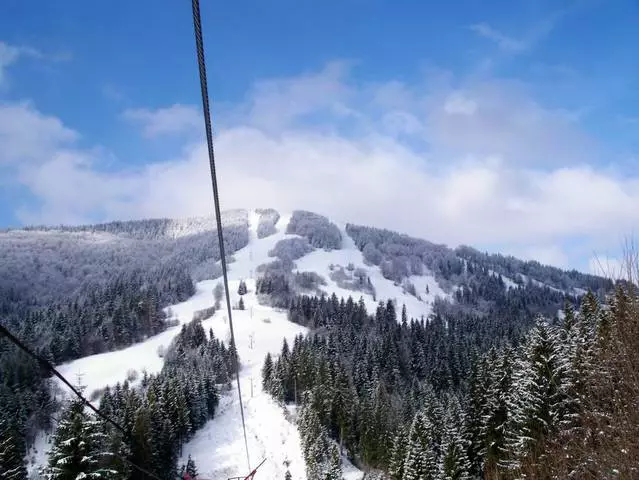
x: 511, y: 126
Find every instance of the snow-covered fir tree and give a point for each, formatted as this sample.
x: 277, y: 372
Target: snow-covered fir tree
x: 398, y: 454
x: 539, y: 403
x: 242, y: 289
x: 79, y: 448
x: 11, y: 448
x: 453, y: 461
x: 421, y: 462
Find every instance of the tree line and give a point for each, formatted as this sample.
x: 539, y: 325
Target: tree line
x: 451, y: 398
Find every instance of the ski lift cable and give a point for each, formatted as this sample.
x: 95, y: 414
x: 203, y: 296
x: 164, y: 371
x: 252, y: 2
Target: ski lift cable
x: 199, y: 44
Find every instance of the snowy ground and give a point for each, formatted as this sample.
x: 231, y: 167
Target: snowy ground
x: 218, y: 448
x: 319, y: 261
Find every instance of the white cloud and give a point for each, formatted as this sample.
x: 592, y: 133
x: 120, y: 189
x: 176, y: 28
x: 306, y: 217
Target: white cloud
x: 483, y: 179
x: 166, y: 121
x: 273, y: 104
x: 527, y: 40
x: 504, y: 42
x: 500, y: 118
x: 28, y: 136
x: 457, y: 103
x: 10, y: 54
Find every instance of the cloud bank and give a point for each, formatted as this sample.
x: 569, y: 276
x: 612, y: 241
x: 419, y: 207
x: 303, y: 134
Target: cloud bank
x: 475, y: 162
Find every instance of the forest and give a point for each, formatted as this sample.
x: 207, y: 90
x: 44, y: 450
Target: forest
x: 452, y: 398
x: 69, y: 292
x: 159, y: 415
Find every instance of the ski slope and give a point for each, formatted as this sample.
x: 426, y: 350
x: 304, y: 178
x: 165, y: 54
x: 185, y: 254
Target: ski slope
x: 218, y: 448
x: 320, y: 261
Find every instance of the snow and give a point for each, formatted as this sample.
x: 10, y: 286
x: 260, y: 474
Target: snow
x: 218, y: 448
x: 350, y: 471
x: 188, y: 226
x: 97, y: 371
x: 537, y: 283
x: 320, y: 260
x: 37, y: 454
x: 579, y: 291
x: 509, y: 282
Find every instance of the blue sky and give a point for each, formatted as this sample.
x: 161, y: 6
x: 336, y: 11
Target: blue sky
x: 511, y: 124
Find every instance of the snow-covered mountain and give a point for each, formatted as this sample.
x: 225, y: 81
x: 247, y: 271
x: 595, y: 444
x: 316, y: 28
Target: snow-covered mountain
x: 276, y: 254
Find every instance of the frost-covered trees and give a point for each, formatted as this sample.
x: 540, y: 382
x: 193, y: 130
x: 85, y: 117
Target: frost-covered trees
x: 11, y: 451
x: 420, y: 462
x: 291, y: 248
x: 267, y: 372
x: 173, y: 405
x: 453, y: 459
x: 319, y: 231
x: 267, y: 221
x: 445, y: 399
x: 371, y: 254
x: 242, y: 289
x: 320, y: 453
x: 79, y: 448
x: 540, y: 404
x: 400, y: 255
x: 190, y: 468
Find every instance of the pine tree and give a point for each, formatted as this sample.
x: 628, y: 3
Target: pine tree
x: 454, y: 464
x: 495, y: 412
x: 190, y: 468
x: 242, y: 290
x: 240, y: 305
x: 288, y: 475
x: 267, y: 372
x: 421, y: 460
x: 78, y: 448
x: 569, y: 316
x: 333, y: 469
x: 398, y: 454
x: 476, y: 411
x: 11, y: 451
x: 540, y: 402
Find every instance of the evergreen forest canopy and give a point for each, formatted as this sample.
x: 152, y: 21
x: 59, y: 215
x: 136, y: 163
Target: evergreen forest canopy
x: 452, y: 398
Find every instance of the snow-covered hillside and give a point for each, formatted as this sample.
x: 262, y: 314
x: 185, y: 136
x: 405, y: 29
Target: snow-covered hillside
x: 386, y: 266
x: 218, y: 448
x: 325, y: 262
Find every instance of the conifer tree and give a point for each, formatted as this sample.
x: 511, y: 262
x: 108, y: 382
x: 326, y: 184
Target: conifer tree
x: 398, y: 454
x: 454, y: 464
x: 495, y: 416
x: 11, y: 448
x: 333, y: 468
x: 421, y: 460
x: 540, y: 402
x: 190, y: 468
x: 240, y: 304
x: 78, y: 448
x: 267, y: 372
